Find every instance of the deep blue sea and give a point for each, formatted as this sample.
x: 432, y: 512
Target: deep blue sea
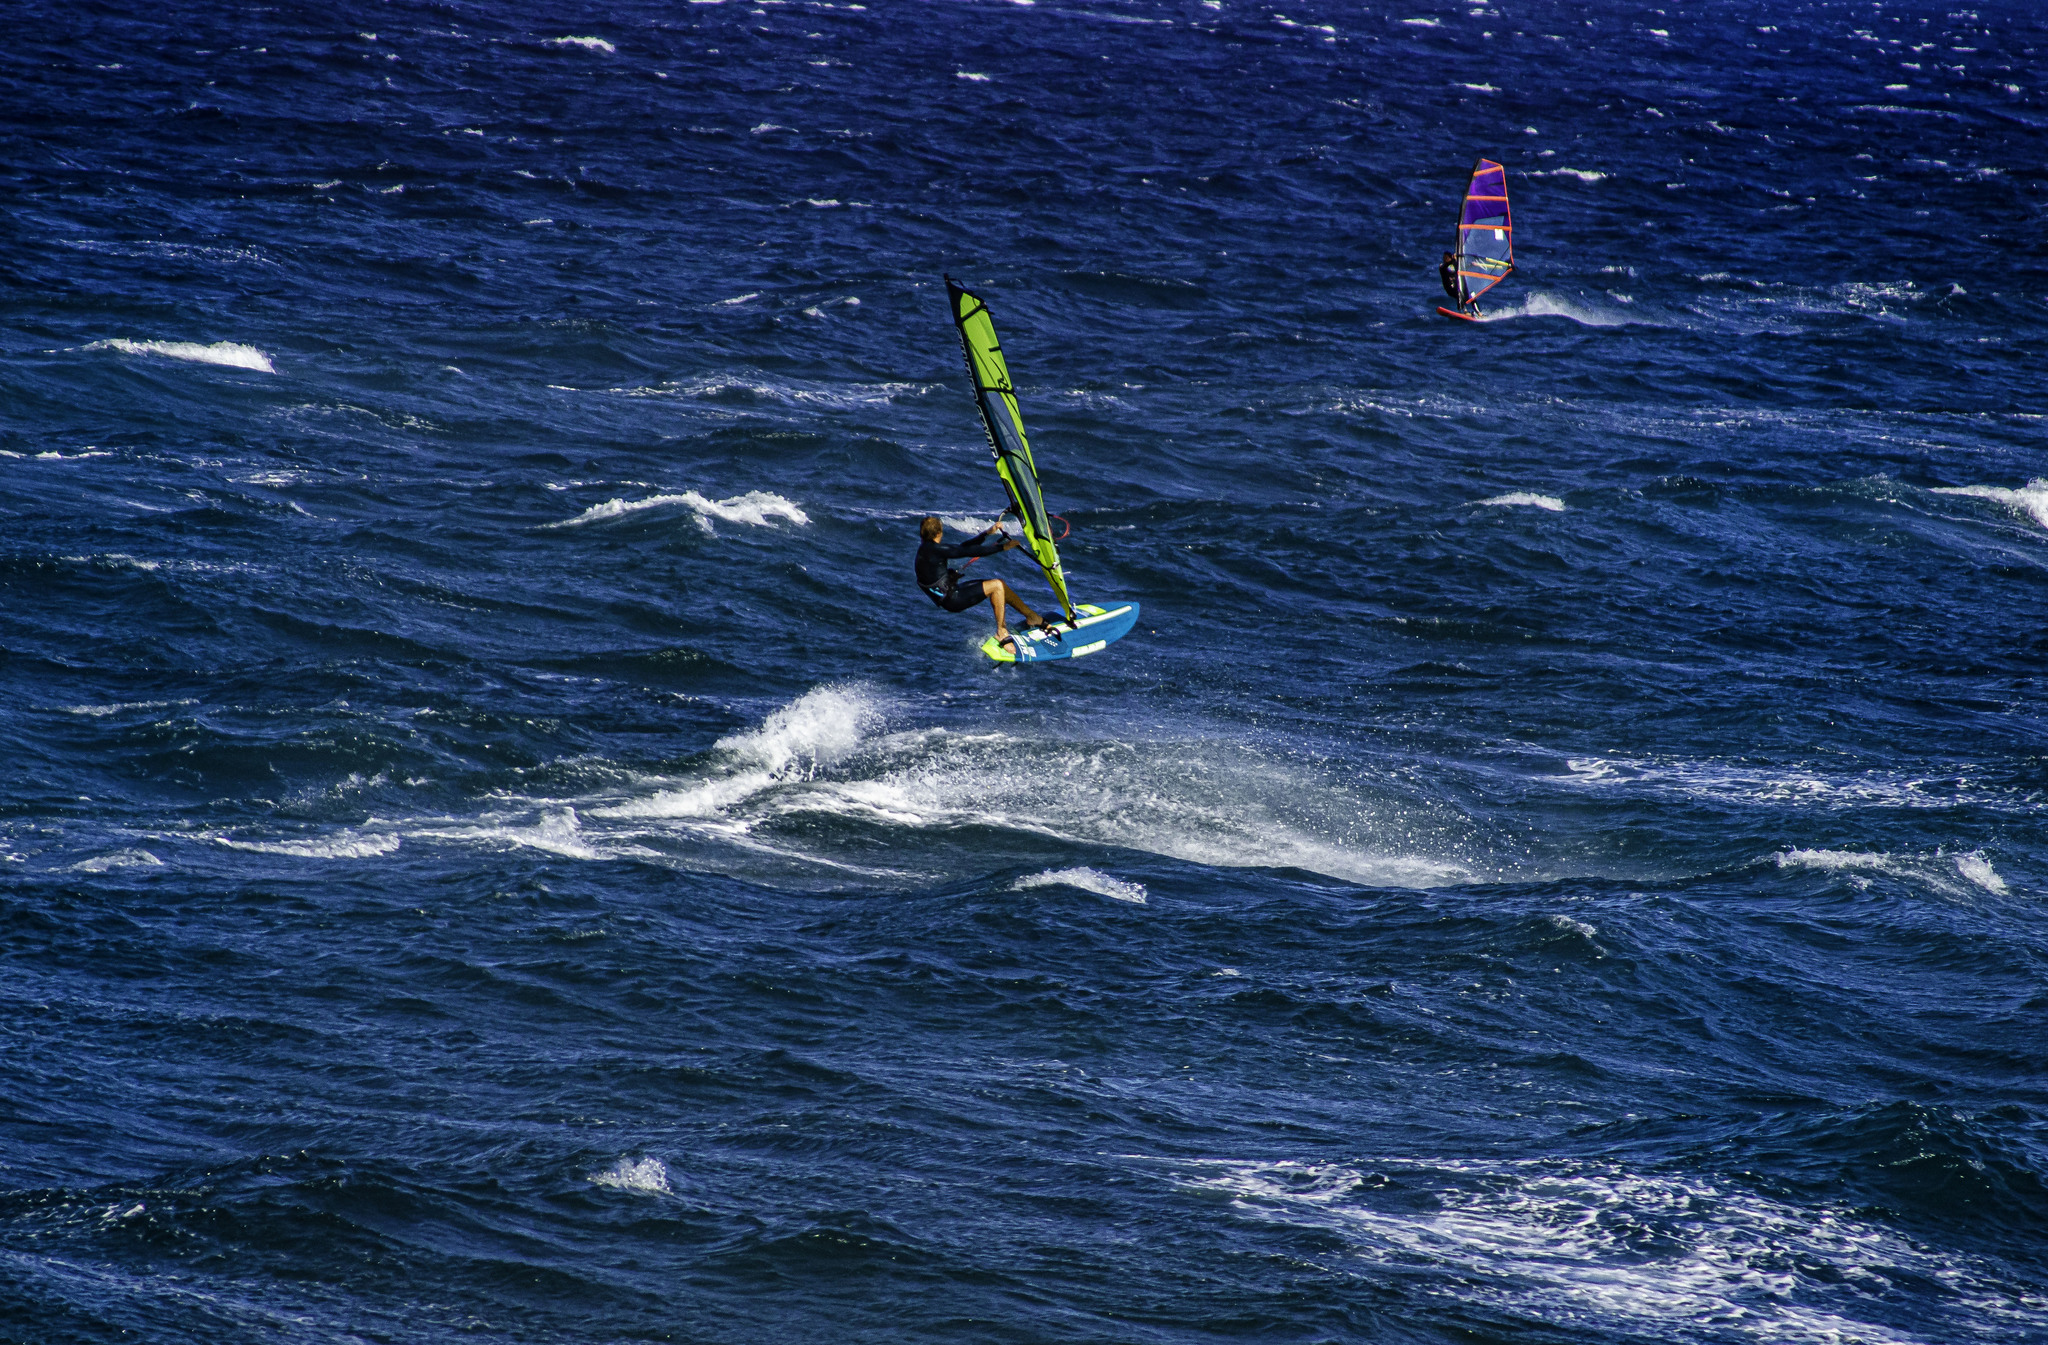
x: 495, y: 847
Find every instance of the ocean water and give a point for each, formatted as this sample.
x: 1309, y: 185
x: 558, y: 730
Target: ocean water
x: 494, y: 847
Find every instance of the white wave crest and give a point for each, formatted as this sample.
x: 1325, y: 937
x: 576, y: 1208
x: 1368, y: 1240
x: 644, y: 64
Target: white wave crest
x: 756, y: 507
x: 1088, y: 880
x: 1216, y: 803
x: 740, y: 388
x: 818, y: 728
x: 347, y: 845
x: 1582, y: 174
x: 1793, y: 786
x: 587, y: 43
x: 1938, y: 871
x: 232, y: 354
x: 1560, y: 1241
x: 2030, y: 499
x: 1542, y: 305
x: 1524, y: 497
x: 648, y: 1176
x: 118, y: 859
x: 558, y: 831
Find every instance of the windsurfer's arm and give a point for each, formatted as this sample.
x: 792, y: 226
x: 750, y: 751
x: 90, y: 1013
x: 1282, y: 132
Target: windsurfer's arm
x: 980, y: 546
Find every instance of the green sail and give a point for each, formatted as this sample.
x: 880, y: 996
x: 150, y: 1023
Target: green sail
x: 1005, y: 425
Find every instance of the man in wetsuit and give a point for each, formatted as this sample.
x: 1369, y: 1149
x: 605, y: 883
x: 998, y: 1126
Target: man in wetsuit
x: 1448, y: 273
x: 952, y: 593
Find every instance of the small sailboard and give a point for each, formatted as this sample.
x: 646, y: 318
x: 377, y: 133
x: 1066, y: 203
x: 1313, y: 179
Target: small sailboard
x: 1094, y: 628
x: 1486, y: 237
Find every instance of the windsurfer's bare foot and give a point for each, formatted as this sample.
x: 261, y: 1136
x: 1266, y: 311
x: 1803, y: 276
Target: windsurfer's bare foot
x: 1004, y: 637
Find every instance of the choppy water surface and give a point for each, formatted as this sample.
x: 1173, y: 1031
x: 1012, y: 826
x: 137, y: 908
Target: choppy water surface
x: 496, y: 847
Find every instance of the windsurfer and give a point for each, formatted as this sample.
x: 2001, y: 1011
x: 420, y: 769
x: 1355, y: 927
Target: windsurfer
x: 1447, y: 272
x: 954, y: 594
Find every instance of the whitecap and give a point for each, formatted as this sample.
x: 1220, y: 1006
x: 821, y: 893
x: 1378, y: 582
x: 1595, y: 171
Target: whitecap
x: 2030, y: 499
x: 1542, y: 305
x: 118, y: 859
x: 737, y: 387
x: 647, y: 1176
x: 1558, y: 1243
x: 1214, y: 803
x: 232, y: 354
x: 1087, y: 880
x: 557, y: 831
x: 797, y: 741
x: 756, y: 507
x: 1938, y: 870
x: 347, y: 845
x: 587, y: 43
x: 1518, y: 497
x: 1737, y: 783
x: 1582, y: 174
x: 119, y: 707
x: 971, y: 76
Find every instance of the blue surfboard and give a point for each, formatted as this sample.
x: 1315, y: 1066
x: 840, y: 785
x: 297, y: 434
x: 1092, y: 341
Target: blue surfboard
x: 1094, y: 628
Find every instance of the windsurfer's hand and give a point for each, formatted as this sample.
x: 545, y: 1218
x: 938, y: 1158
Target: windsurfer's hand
x: 1012, y: 544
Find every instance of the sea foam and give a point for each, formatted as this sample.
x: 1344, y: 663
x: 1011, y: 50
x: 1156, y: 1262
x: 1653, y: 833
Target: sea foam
x: 756, y: 507
x: 826, y: 755
x: 646, y: 1176
x: 1560, y: 1241
x: 795, y: 743
x: 1523, y: 497
x: 1087, y: 880
x: 1938, y: 871
x: 118, y: 859
x: 2030, y: 499
x: 232, y: 354
x: 347, y: 845
x: 1542, y: 305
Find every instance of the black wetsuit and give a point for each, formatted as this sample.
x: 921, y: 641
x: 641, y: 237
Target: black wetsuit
x: 944, y: 586
x: 1448, y: 273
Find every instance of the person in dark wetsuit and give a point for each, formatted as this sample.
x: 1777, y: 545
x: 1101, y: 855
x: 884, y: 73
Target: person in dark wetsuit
x: 954, y: 594
x: 1448, y: 273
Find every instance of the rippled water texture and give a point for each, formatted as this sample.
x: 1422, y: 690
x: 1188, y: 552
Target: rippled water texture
x: 496, y: 848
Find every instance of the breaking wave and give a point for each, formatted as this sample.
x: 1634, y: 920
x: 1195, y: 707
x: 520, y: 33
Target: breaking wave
x: 1530, y: 498
x: 757, y: 507
x: 2030, y: 499
x: 1087, y: 880
x: 1541, y: 305
x: 827, y: 757
x: 1941, y: 872
x: 232, y: 354
x: 1564, y: 1242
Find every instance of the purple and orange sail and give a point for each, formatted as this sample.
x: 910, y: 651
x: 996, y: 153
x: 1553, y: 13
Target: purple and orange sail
x: 1486, y: 238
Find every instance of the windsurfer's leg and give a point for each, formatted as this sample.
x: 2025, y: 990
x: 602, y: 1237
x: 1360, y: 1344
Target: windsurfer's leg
x: 1009, y: 595
x: 996, y: 588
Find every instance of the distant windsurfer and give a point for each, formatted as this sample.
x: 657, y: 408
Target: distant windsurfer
x: 954, y: 594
